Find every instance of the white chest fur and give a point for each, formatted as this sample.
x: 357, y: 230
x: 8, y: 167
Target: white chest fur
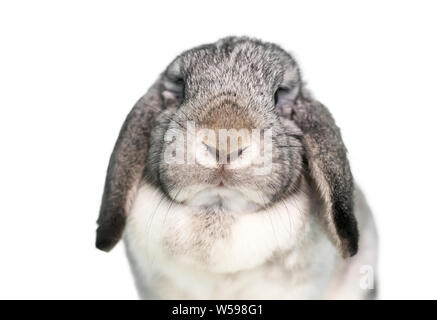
x: 177, y: 252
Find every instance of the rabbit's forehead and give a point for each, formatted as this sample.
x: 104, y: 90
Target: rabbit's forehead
x: 237, y: 74
x: 245, y: 63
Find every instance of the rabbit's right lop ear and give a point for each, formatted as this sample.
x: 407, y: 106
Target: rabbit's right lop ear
x: 329, y: 168
x: 126, y: 167
x: 129, y: 157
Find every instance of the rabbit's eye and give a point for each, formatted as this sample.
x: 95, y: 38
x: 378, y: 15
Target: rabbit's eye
x: 286, y: 95
x: 285, y: 99
x: 279, y: 94
x: 174, y: 90
x: 180, y: 85
x: 179, y: 81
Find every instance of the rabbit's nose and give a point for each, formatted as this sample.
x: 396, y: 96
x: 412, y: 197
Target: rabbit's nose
x: 215, y: 156
x: 220, y: 155
x: 206, y: 154
x: 213, y: 151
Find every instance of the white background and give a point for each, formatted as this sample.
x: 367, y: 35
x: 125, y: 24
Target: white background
x: 71, y: 71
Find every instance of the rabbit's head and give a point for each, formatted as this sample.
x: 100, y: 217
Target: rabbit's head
x: 224, y: 129
x: 234, y: 129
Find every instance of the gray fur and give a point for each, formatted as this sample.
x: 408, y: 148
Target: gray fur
x: 126, y: 168
x: 233, y: 82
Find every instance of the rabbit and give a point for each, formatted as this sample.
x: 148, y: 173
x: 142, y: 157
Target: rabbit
x: 202, y: 228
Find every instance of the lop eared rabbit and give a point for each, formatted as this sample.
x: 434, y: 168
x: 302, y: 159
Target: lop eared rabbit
x: 213, y: 230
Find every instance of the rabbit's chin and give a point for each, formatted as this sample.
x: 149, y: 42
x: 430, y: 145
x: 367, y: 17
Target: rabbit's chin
x: 224, y: 199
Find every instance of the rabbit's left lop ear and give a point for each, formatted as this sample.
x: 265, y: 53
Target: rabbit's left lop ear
x: 327, y: 161
x: 329, y: 168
